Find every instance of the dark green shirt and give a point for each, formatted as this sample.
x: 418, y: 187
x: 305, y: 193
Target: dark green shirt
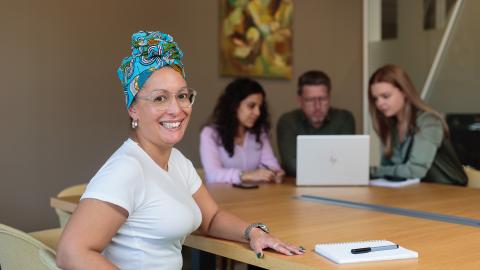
x: 295, y: 123
x: 427, y: 154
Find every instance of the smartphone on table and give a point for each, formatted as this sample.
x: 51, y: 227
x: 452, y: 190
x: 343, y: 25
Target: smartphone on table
x: 245, y: 185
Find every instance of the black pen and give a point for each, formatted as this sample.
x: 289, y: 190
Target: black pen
x: 277, y: 180
x: 266, y: 167
x: 372, y: 249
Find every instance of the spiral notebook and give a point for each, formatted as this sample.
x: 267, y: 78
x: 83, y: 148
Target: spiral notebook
x: 341, y: 252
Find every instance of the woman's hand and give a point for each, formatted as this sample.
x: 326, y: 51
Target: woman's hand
x: 279, y: 176
x: 259, y: 175
x: 260, y: 240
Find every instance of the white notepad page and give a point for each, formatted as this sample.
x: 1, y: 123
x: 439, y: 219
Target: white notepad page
x: 341, y: 252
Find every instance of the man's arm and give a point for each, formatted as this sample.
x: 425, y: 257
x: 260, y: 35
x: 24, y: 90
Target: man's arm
x: 348, y: 124
x: 287, y: 145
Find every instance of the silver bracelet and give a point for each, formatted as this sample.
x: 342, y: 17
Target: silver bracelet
x: 250, y: 227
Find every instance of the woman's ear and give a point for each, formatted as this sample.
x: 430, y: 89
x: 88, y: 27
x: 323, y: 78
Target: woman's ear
x: 132, y: 111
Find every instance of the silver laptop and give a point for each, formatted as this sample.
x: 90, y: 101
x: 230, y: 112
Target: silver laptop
x: 333, y: 160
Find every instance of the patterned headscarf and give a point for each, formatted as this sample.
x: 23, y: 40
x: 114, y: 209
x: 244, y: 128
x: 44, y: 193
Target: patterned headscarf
x: 150, y: 52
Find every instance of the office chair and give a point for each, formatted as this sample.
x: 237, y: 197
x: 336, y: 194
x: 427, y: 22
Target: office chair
x: 473, y: 176
x: 69, y: 191
x: 19, y: 250
x: 464, y: 135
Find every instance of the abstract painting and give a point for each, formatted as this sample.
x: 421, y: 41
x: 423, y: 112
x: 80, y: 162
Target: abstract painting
x: 256, y: 38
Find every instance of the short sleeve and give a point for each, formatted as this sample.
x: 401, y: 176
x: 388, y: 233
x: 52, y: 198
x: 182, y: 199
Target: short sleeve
x: 119, y: 182
x: 193, y: 179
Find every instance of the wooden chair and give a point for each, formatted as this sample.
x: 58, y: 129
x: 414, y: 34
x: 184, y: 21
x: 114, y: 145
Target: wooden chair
x: 69, y: 191
x: 19, y: 250
x: 201, y: 173
x: 48, y: 237
x: 473, y: 177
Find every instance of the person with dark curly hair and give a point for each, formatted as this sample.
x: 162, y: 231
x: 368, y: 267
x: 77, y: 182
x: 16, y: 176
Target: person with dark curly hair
x: 234, y: 145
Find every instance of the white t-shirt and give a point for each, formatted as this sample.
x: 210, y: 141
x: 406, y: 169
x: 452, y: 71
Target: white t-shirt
x: 160, y: 205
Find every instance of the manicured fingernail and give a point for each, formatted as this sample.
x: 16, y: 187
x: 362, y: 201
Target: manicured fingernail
x: 259, y: 255
x: 302, y: 248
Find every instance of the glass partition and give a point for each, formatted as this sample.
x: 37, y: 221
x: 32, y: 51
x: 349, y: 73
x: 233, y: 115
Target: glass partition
x: 420, y: 26
x: 455, y: 86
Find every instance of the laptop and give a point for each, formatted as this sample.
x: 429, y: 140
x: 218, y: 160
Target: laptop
x: 333, y: 160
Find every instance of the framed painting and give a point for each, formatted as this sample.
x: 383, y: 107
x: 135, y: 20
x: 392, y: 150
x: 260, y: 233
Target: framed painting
x: 256, y: 38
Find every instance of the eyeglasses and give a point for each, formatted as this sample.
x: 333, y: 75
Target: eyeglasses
x: 312, y: 100
x: 162, y: 98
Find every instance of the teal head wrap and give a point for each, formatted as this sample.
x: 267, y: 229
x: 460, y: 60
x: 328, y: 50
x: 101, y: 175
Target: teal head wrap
x: 150, y: 52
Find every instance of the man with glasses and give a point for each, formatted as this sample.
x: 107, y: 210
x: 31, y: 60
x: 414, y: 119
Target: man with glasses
x: 314, y: 117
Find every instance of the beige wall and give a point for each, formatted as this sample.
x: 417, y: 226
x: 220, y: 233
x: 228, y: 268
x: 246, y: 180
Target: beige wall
x: 62, y: 106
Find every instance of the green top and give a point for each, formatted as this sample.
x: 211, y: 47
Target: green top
x: 295, y: 123
x: 431, y: 158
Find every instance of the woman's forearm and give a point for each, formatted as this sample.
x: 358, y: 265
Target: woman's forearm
x: 227, y: 226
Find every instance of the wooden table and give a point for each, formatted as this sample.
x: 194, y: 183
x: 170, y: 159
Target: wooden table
x: 440, y: 245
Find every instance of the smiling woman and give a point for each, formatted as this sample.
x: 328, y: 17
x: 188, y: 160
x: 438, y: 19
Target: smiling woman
x: 147, y: 197
x: 161, y: 120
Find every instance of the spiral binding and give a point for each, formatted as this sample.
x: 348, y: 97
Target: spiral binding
x: 370, y: 242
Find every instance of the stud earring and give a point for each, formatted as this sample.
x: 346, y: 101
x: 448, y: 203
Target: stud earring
x: 134, y: 123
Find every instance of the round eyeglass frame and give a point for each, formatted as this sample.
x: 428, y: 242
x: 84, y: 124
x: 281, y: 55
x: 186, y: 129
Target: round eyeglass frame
x: 192, y: 91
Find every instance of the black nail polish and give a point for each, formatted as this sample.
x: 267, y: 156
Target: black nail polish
x: 259, y: 255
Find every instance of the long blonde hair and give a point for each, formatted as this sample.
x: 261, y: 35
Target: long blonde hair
x: 383, y: 125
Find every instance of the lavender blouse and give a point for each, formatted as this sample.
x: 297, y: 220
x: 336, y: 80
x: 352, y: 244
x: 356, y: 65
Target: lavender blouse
x: 221, y: 168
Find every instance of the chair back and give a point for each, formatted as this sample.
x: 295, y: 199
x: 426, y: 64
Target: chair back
x: 69, y: 191
x: 73, y: 190
x: 473, y: 177
x: 201, y: 173
x: 19, y: 250
x: 48, y: 237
